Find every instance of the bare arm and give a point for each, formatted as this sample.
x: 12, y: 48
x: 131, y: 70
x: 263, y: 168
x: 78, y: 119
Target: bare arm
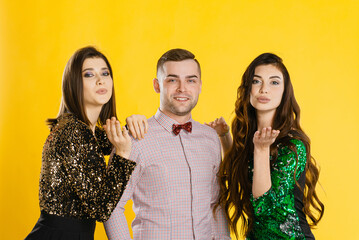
x: 222, y: 130
x: 261, y: 169
x: 219, y: 222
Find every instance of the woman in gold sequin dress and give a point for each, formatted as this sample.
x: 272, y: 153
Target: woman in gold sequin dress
x: 76, y: 187
x: 268, y: 176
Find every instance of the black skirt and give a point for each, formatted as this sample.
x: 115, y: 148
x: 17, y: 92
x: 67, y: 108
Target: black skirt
x: 52, y: 227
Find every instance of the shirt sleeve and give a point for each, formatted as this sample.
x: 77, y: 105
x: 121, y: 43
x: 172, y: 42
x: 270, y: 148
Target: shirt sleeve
x: 97, y: 189
x: 116, y: 227
x: 219, y: 223
x: 283, y: 182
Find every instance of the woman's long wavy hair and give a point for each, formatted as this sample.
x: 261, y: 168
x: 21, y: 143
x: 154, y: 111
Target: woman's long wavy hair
x: 72, y: 89
x: 235, y: 186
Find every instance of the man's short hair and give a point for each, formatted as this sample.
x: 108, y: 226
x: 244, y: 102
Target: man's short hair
x: 176, y: 55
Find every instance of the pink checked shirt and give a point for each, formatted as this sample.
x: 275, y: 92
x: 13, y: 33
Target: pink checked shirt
x: 173, y: 187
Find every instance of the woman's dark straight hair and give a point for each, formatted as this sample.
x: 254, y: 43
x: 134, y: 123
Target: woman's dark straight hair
x: 72, y: 89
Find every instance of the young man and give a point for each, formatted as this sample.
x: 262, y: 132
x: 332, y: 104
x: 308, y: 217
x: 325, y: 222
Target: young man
x: 174, y: 186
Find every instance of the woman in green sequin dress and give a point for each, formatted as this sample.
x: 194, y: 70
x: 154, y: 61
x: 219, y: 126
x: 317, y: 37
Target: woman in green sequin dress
x: 268, y: 176
x: 76, y: 187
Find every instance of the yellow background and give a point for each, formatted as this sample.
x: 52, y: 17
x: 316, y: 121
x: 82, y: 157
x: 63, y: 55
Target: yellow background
x: 318, y: 40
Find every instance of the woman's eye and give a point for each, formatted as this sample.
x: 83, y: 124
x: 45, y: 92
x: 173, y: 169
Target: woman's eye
x: 106, y: 73
x: 88, y: 75
x: 275, y: 82
x: 255, y: 81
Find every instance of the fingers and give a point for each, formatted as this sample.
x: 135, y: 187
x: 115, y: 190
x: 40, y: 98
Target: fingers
x: 146, y: 124
x: 214, y: 123
x: 137, y: 130
x: 137, y: 125
x: 118, y: 136
x: 121, y: 132
x: 222, y: 121
x: 118, y: 128
x: 131, y: 128
x: 210, y: 124
x: 107, y: 128
x: 220, y: 125
x: 267, y: 132
x: 265, y: 137
x: 113, y: 129
x: 141, y: 128
x: 125, y: 133
x: 275, y: 133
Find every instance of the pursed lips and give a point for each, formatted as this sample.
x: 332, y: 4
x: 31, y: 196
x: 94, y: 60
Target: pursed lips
x: 263, y: 99
x: 102, y: 91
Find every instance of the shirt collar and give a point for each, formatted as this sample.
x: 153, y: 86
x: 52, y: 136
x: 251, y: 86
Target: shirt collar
x: 166, y: 122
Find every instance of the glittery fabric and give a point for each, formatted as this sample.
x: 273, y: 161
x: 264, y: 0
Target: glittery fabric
x: 74, y: 181
x: 274, y: 212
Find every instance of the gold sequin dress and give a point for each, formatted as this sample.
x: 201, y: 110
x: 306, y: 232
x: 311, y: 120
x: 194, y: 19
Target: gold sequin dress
x: 75, y: 182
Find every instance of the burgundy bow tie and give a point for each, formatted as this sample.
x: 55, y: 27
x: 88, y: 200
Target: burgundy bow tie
x: 176, y: 128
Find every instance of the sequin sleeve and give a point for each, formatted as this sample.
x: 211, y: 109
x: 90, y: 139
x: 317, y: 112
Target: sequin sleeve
x: 282, y: 174
x: 74, y: 178
x: 104, y: 143
x: 98, y: 189
x: 118, y: 175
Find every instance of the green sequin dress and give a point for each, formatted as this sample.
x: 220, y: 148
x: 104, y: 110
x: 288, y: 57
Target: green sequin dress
x: 278, y: 213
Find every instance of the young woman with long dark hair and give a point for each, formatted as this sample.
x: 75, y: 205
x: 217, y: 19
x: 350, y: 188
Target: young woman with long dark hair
x: 76, y: 187
x: 268, y: 176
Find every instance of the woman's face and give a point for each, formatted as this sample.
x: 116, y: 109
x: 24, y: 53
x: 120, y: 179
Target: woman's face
x: 267, y: 88
x: 97, y: 82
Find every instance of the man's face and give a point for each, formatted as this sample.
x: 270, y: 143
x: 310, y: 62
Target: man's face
x: 179, y: 85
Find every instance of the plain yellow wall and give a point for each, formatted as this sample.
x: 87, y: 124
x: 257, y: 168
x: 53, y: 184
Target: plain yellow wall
x: 318, y: 40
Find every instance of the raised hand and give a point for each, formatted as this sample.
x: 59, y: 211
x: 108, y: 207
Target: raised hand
x: 264, y: 138
x: 220, y: 126
x: 261, y: 167
x: 118, y: 136
x: 138, y: 126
